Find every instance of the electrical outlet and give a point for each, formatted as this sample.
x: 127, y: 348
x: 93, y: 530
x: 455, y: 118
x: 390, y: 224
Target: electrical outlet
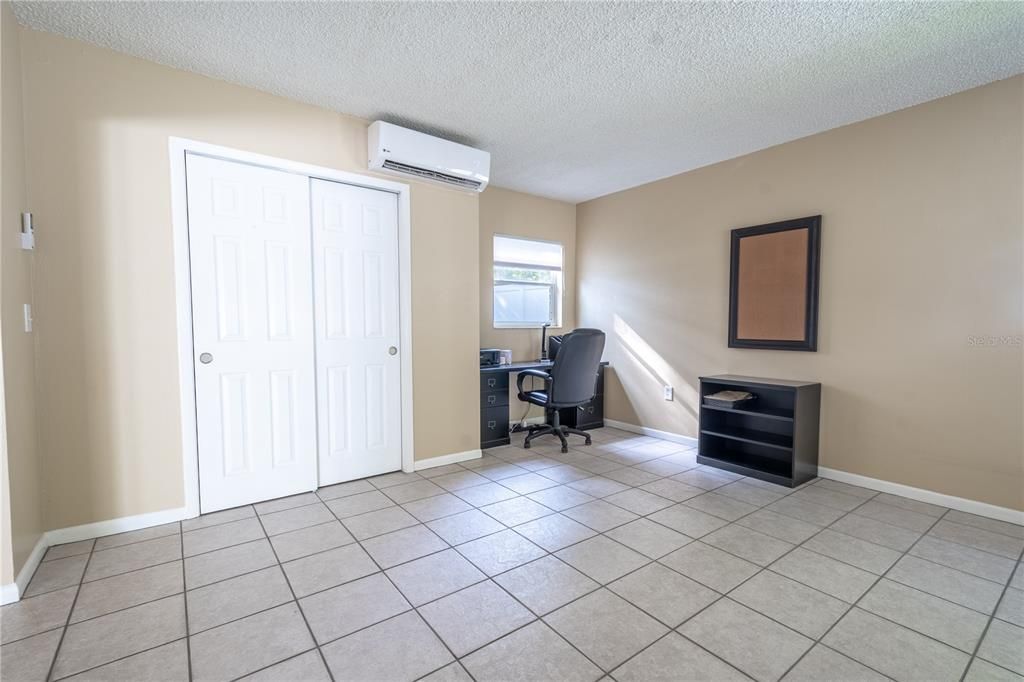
x: 669, y: 393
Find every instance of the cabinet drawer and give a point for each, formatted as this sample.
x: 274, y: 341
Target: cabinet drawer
x: 591, y: 414
x: 493, y: 424
x: 491, y: 381
x: 496, y: 398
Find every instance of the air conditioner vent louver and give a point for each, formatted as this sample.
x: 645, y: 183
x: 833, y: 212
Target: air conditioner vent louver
x: 431, y: 175
x: 412, y: 154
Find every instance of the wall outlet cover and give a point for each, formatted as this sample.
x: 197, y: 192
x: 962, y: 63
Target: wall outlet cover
x: 669, y: 393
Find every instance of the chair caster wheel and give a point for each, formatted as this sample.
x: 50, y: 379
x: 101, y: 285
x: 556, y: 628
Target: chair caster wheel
x: 587, y: 441
x: 564, y: 449
x: 526, y: 445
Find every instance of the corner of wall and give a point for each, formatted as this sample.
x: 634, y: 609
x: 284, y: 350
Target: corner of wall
x: 509, y: 212
x: 6, y: 546
x: 22, y: 523
x: 654, y: 266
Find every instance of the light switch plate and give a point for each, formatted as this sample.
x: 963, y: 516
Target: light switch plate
x: 28, y: 234
x: 28, y: 317
x: 669, y: 393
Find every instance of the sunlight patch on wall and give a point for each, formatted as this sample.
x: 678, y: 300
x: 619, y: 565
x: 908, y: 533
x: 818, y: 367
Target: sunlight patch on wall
x: 644, y: 373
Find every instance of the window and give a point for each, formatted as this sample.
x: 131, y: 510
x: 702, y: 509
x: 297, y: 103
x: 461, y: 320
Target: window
x: 527, y: 282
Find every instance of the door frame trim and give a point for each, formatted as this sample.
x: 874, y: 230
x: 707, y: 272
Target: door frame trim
x: 178, y: 148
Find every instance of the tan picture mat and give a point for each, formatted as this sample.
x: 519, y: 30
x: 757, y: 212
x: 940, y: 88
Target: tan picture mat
x: 772, y: 286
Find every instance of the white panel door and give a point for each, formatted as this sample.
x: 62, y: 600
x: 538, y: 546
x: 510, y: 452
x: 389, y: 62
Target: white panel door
x: 355, y: 266
x: 252, y: 317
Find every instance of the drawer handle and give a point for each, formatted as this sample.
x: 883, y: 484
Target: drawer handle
x: 491, y: 424
x: 492, y: 382
x: 491, y: 399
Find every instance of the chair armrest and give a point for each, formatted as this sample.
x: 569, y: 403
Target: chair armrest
x: 531, y: 373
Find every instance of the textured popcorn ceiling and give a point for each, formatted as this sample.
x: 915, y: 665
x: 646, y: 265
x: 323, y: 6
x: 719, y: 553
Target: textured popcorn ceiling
x: 576, y: 100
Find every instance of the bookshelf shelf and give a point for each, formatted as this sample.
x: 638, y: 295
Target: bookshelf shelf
x: 774, y: 438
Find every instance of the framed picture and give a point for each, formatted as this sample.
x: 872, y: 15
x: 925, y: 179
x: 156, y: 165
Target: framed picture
x: 773, y: 285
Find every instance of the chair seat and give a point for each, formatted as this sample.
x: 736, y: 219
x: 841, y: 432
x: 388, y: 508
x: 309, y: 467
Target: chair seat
x: 537, y: 397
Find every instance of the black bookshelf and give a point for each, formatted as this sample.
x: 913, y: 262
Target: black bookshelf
x: 773, y: 438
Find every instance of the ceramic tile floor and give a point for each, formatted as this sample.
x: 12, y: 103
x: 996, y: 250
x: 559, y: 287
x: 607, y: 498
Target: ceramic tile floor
x: 623, y: 559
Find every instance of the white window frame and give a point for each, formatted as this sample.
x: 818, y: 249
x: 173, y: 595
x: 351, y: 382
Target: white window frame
x: 557, y: 287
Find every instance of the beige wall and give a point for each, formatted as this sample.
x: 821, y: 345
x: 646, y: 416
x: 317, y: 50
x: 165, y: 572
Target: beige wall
x: 6, y: 552
x: 7, y: 570
x: 97, y: 125
x: 921, y: 250
x: 26, y: 522
x: 506, y: 212
x: 515, y: 214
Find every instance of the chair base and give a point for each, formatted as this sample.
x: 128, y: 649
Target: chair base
x: 556, y: 429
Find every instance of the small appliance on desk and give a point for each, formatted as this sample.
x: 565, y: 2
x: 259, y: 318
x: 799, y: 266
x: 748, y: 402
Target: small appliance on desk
x: 494, y: 357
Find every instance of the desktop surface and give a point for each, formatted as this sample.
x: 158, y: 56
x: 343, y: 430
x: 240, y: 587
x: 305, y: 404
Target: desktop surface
x: 518, y: 366
x: 526, y: 364
x: 495, y: 382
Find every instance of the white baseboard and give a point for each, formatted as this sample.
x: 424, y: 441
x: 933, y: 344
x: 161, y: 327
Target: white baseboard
x: 443, y: 460
x: 12, y: 592
x: 8, y: 593
x: 990, y: 511
x: 921, y: 495
x: 654, y: 433
x: 529, y: 421
x: 121, y: 525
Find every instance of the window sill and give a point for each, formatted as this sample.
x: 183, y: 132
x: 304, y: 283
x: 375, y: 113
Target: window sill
x: 523, y: 326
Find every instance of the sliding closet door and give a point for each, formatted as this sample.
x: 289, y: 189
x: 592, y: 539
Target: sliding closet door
x: 355, y: 254
x: 252, y: 312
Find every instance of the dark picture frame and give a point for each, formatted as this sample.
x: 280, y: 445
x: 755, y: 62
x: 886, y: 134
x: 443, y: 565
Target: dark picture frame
x: 773, y: 285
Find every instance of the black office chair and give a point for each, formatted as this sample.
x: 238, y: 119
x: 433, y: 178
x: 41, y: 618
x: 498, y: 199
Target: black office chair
x: 571, y: 382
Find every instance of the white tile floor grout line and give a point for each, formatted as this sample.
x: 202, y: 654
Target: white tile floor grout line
x: 853, y: 605
x: 992, y: 616
x: 725, y: 595
x: 383, y: 572
x: 115, y: 575
x: 487, y: 578
x: 184, y: 599
x: 67, y: 621
x: 295, y: 600
x: 598, y: 464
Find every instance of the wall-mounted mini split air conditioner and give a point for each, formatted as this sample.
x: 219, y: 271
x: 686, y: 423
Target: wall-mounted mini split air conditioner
x: 400, y: 151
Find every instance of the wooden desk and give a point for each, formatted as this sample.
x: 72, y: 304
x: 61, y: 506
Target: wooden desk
x: 494, y: 403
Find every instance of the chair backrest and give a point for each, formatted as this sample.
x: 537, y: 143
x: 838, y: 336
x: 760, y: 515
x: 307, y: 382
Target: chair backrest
x: 574, y: 374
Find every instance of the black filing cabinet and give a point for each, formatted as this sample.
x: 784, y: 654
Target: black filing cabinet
x: 494, y: 402
x: 493, y: 409
x: 590, y: 415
